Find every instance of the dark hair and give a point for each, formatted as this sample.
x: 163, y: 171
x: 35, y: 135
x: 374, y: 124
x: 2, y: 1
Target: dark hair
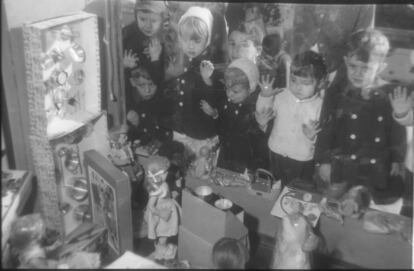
x: 229, y: 253
x: 272, y: 44
x: 367, y: 44
x: 309, y: 64
x: 139, y: 72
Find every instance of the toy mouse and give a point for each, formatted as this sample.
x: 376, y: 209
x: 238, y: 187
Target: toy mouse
x: 203, y: 164
x: 295, y: 241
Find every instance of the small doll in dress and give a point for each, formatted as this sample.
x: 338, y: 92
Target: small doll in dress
x: 163, y: 212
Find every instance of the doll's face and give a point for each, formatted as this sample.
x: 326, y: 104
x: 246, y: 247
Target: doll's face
x: 237, y: 93
x: 361, y: 74
x: 149, y: 22
x: 240, y: 45
x: 123, y: 139
x: 302, y: 87
x: 145, y: 87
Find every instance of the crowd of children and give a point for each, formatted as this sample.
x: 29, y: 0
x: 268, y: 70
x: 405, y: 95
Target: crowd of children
x: 241, y: 94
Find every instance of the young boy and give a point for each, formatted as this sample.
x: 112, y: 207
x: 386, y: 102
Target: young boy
x: 190, y: 124
x: 274, y: 60
x: 242, y: 143
x: 360, y: 143
x: 141, y: 42
x: 296, y: 113
x: 242, y: 44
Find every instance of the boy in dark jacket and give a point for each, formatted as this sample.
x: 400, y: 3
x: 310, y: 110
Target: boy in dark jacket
x: 360, y: 142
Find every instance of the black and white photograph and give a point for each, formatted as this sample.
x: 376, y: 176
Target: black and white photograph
x: 299, y: 114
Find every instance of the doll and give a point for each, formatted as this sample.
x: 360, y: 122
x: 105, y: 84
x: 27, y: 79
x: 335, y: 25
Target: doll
x: 121, y: 153
x: 203, y: 164
x: 162, y: 214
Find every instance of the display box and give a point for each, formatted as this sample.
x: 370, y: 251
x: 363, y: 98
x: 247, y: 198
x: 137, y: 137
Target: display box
x: 110, y: 201
x: 63, y: 67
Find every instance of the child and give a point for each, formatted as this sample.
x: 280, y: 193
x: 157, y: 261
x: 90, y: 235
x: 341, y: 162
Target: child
x: 146, y: 109
x: 360, y: 143
x: 190, y: 124
x: 242, y: 44
x: 141, y: 41
x: 296, y: 114
x: 242, y: 143
x: 274, y: 60
x: 228, y: 253
x: 162, y: 214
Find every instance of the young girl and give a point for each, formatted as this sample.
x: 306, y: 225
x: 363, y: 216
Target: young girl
x: 274, y: 60
x: 228, y: 253
x: 242, y: 44
x: 242, y: 143
x: 162, y: 214
x: 296, y: 113
x: 190, y: 124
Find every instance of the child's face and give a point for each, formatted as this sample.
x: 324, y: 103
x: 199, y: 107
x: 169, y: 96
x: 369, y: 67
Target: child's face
x: 122, y: 140
x: 191, y: 44
x: 145, y: 87
x: 149, y: 22
x: 240, y: 45
x: 302, y: 87
x: 237, y: 93
x: 361, y: 74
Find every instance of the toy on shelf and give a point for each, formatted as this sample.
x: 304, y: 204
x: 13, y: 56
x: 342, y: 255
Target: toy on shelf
x: 122, y: 155
x: 163, y: 212
x: 204, y: 163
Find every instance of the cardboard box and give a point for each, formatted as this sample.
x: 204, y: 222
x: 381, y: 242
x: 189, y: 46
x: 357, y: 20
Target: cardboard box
x: 208, y: 222
x: 110, y: 201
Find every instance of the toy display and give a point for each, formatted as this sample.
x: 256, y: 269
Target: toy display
x: 163, y: 212
x: 110, y: 201
x: 295, y: 241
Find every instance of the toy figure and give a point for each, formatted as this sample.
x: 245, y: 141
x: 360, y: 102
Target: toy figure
x: 295, y: 240
x: 162, y: 214
x: 121, y: 153
x: 203, y: 164
x: 27, y: 233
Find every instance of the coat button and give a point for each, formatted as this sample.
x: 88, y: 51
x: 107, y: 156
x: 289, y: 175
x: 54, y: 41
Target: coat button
x: 236, y: 112
x: 145, y: 130
x: 180, y: 104
x: 372, y: 161
x: 380, y: 118
x: 225, y: 106
x: 377, y: 139
x: 352, y: 136
x: 181, y: 92
x: 354, y: 116
x: 353, y: 156
x: 185, y: 69
x: 157, y: 127
x: 143, y: 115
x: 182, y: 81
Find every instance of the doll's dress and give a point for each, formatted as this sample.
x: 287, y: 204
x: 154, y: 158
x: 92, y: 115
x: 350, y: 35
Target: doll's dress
x: 157, y: 226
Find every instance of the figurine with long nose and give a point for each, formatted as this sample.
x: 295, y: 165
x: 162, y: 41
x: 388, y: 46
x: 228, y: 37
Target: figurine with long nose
x: 294, y: 243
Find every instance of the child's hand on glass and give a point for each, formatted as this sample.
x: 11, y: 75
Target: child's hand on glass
x: 130, y: 59
x: 266, y: 86
x: 212, y: 112
x: 400, y: 102
x: 263, y: 116
x: 311, y: 129
x: 397, y: 169
x: 154, y: 50
x: 324, y: 172
x: 206, y: 70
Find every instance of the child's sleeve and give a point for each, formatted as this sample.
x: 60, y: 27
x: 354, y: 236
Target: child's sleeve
x: 398, y: 140
x: 407, y: 120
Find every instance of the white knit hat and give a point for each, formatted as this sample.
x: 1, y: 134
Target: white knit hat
x: 250, y: 69
x: 204, y: 14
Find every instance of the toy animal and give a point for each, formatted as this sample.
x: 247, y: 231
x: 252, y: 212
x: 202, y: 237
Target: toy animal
x: 294, y: 243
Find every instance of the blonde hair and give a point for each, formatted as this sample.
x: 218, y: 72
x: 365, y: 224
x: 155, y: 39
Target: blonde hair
x: 193, y: 27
